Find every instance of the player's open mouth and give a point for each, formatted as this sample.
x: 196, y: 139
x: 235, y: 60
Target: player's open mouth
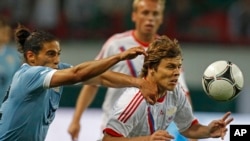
x: 174, y: 82
x: 149, y: 26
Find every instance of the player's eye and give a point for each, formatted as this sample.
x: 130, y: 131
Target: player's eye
x: 145, y: 12
x: 180, y: 66
x: 156, y: 14
x: 171, y: 67
x: 51, y: 53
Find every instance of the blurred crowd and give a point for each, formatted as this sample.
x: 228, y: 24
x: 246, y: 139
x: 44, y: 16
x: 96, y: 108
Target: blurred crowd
x: 188, y: 20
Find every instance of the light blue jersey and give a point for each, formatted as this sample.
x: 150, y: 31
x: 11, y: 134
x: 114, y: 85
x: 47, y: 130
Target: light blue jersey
x: 31, y: 104
x: 9, y: 62
x: 173, y: 130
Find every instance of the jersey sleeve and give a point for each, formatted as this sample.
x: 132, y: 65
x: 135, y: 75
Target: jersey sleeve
x: 46, y: 82
x: 38, y: 77
x: 184, y: 116
x: 125, y: 113
x: 109, y: 48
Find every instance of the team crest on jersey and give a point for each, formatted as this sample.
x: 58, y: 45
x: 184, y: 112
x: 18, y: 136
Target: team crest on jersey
x: 170, y: 112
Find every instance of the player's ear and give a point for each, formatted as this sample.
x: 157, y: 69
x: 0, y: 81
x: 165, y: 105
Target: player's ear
x: 30, y: 57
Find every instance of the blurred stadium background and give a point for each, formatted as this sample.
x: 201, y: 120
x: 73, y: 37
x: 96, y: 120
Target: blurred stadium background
x: 208, y: 30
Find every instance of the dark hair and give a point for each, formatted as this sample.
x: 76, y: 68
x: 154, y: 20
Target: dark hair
x: 28, y: 40
x: 162, y: 47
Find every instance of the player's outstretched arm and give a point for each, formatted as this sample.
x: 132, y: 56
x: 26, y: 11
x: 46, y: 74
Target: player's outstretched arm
x: 85, y: 98
x: 90, y: 69
x: 215, y: 129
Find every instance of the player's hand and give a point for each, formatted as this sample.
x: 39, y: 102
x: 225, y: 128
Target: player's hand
x: 73, y: 130
x: 218, y: 127
x: 161, y: 135
x: 132, y: 53
x: 149, y: 91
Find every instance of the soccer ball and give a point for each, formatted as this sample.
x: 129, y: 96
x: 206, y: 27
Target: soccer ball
x: 222, y: 80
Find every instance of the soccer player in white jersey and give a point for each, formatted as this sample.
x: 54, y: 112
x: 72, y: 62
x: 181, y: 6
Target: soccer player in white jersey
x: 133, y: 119
x: 10, y: 60
x: 36, y: 88
x: 147, y: 16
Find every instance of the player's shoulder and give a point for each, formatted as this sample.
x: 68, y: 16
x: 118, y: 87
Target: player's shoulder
x: 130, y: 92
x: 28, y: 71
x: 120, y: 37
x: 64, y: 65
x: 178, y: 91
x: 131, y: 96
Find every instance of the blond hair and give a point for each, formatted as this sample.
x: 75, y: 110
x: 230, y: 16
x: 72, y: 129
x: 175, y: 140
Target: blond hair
x: 161, y: 2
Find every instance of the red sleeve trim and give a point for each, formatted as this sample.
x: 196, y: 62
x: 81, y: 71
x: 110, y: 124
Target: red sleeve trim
x: 112, y: 132
x: 194, y: 122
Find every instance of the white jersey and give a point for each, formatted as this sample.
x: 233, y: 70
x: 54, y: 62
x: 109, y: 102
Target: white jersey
x: 132, y: 116
x: 114, y: 45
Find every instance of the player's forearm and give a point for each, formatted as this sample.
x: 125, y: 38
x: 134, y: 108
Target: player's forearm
x: 91, y: 69
x: 197, y: 131
x: 118, y: 80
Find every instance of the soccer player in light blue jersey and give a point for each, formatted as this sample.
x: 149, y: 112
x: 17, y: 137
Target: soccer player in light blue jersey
x: 36, y: 88
x: 9, y: 58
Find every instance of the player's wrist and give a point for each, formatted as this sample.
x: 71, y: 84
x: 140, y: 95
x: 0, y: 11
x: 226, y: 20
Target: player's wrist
x: 138, y: 82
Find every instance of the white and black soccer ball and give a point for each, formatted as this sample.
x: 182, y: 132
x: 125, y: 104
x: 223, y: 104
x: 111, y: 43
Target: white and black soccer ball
x: 222, y: 80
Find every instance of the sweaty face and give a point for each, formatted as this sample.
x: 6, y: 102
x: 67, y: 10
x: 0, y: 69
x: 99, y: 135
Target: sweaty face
x: 148, y: 17
x: 167, y: 74
x: 49, y: 55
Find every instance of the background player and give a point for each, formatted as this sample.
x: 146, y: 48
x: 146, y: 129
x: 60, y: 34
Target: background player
x: 148, y: 17
x: 10, y: 60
